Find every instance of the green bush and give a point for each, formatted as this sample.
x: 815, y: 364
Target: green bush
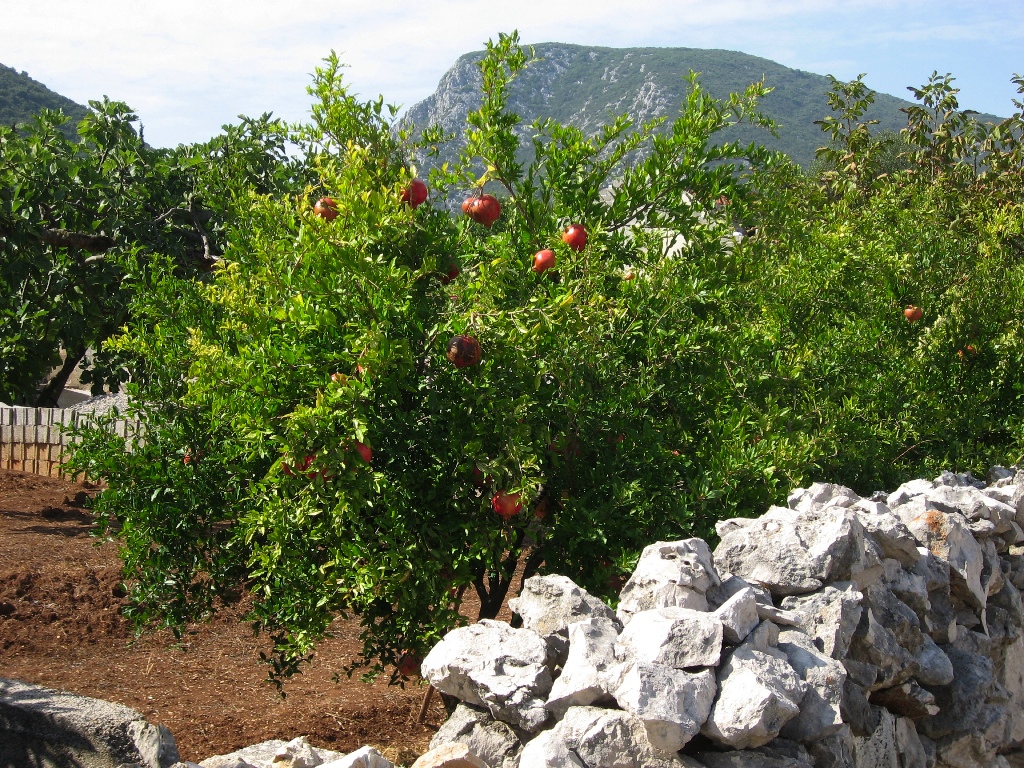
x: 664, y: 377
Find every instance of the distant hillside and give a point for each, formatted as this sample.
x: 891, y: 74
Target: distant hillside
x: 584, y: 86
x: 21, y: 97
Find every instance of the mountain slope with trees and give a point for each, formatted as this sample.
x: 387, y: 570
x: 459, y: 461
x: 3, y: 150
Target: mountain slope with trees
x: 21, y: 98
x: 586, y: 86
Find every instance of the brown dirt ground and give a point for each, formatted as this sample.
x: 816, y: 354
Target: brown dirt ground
x: 60, y: 627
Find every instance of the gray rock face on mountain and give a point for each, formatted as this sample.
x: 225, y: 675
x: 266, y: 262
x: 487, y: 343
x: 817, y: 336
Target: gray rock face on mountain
x: 584, y: 86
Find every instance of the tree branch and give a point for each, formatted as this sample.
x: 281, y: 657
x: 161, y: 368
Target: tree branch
x: 62, y: 238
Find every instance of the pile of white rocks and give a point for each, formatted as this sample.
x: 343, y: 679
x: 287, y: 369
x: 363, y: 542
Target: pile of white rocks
x: 838, y: 631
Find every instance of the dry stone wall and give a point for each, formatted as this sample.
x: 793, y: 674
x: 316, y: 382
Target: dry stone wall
x: 835, y: 632
x: 880, y: 632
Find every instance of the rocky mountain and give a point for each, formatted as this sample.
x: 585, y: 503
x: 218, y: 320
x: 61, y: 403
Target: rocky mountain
x: 21, y: 97
x: 586, y: 86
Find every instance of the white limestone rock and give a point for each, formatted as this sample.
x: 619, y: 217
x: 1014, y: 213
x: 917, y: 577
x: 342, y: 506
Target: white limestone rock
x: 973, y: 504
x: 749, y: 759
x: 933, y: 665
x: 885, y: 527
x: 275, y: 753
x: 886, y: 640
x: 494, y: 666
x: 549, y: 604
x: 671, y: 703
x: 364, y: 757
x: 907, y: 491
x: 675, y: 637
x: 830, y: 616
x: 738, y: 615
x: 669, y: 574
x: 584, y: 678
x: 491, y: 740
x: 825, y: 677
x: 906, y: 700
x: 592, y: 737
x: 911, y: 751
x: 958, y: 480
x: 819, y: 495
x: 758, y: 693
x: 793, y: 553
x: 947, y: 537
x: 879, y: 750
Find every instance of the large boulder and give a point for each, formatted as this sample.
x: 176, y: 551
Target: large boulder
x: 494, y: 666
x: 584, y: 679
x: 672, y: 704
x: 39, y: 726
x: 549, y: 604
x: 669, y: 574
x: 894, y: 539
x: 591, y: 737
x: 491, y: 740
x: 791, y: 552
x: 675, y: 637
x: 825, y: 677
x: 738, y: 615
x: 758, y: 693
x: 830, y: 616
x: 947, y: 536
x: 297, y: 753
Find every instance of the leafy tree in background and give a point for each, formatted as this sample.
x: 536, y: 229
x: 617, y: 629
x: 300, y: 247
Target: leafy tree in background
x: 935, y: 224
x: 601, y: 401
x: 307, y: 438
x: 80, y: 222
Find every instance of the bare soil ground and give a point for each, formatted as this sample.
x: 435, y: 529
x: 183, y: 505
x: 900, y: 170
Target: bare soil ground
x: 61, y: 627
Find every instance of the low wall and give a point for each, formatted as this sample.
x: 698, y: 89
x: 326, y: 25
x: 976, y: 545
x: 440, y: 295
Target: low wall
x: 36, y: 439
x: 836, y: 632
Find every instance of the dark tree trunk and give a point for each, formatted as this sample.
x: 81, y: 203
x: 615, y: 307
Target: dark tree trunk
x: 51, y: 392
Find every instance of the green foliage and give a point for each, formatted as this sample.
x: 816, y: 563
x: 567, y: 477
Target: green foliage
x: 667, y: 375
x: 22, y: 98
x: 80, y: 222
x: 601, y: 398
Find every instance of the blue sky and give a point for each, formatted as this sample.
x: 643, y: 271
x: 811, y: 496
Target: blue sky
x: 188, y: 67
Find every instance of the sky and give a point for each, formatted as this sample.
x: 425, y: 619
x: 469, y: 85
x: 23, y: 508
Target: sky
x: 189, y: 67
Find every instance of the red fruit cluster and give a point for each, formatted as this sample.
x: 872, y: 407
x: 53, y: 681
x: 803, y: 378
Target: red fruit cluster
x: 451, y: 273
x: 364, y: 450
x: 299, y: 468
x: 483, y: 209
x: 543, y: 261
x: 326, y: 209
x: 463, y: 351
x: 575, y: 237
x: 409, y: 665
x: 507, y: 505
x: 415, y: 194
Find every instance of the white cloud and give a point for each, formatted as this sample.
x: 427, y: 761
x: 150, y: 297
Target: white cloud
x: 189, y: 66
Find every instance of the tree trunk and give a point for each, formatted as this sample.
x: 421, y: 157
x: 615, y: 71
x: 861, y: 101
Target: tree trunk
x: 51, y: 392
